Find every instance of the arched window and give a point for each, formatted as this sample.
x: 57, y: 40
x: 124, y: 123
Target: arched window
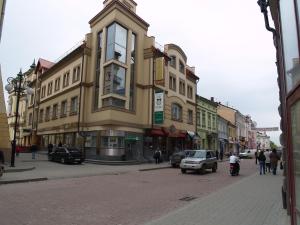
x: 176, y: 112
x: 172, y: 61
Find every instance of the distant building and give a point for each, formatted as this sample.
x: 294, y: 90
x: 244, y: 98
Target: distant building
x: 263, y: 141
x: 223, y: 130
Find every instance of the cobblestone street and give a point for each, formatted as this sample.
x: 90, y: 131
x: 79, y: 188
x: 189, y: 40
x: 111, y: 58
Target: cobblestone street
x: 130, y: 198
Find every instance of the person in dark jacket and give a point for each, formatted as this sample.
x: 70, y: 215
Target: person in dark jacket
x: 50, y: 148
x: 33, y: 149
x: 274, y: 158
x: 256, y: 155
x: 262, y: 162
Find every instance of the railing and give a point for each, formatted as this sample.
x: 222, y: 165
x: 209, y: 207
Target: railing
x: 69, y: 51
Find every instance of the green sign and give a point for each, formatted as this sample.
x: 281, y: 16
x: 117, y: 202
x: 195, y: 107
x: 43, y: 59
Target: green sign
x: 159, y: 117
x: 132, y: 138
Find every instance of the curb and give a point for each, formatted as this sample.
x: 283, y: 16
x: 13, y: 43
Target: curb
x: 18, y: 170
x: 155, y: 168
x: 23, y: 181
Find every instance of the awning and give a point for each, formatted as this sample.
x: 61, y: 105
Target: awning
x: 156, y: 132
x: 177, y: 135
x: 191, y: 134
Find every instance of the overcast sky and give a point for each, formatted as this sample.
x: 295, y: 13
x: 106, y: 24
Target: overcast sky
x: 225, y: 40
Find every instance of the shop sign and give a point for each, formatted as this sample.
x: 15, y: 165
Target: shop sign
x: 158, y: 117
x: 159, y: 102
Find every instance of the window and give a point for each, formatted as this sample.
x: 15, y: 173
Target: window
x: 98, y: 70
x: 182, y: 87
x: 172, y: 61
x: 112, y: 142
x: 74, y: 105
x: 176, y: 112
x: 132, y: 72
x: 114, y: 80
x: 41, y: 115
x: 198, y: 119
x: 57, y: 84
x: 290, y: 43
x: 50, y: 88
x: 31, y: 99
x: 66, y: 78
x: 190, y: 116
x: 47, y: 115
x: 63, y: 108
x: 209, y: 120
x: 181, y: 67
x: 76, y: 74
x: 30, y: 119
x: 43, y: 91
x: 213, y: 122
x: 55, y: 111
x: 190, y: 92
x: 116, y: 43
x: 172, y: 82
x: 113, y: 102
x: 203, y: 119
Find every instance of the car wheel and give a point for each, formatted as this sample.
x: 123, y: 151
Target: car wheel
x: 183, y: 171
x: 62, y: 160
x: 214, y: 169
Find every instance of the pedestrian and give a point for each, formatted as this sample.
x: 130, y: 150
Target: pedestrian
x: 33, y: 150
x: 274, y: 158
x: 50, y: 148
x: 262, y: 162
x: 221, y: 154
x: 18, y: 151
x: 2, y: 159
x: 256, y: 155
x: 268, y: 161
x: 60, y: 144
x: 217, y: 154
x: 156, y: 156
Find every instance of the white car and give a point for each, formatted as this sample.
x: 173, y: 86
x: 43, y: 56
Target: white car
x: 199, y: 160
x: 246, y: 154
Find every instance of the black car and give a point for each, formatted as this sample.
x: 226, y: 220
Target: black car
x: 66, y: 155
x: 178, y: 156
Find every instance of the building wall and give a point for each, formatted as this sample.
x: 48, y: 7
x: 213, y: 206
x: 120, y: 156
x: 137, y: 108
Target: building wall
x: 207, y: 128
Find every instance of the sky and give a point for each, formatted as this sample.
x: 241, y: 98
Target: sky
x: 225, y: 40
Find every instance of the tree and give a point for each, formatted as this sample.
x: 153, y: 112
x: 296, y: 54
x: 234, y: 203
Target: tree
x: 273, y: 145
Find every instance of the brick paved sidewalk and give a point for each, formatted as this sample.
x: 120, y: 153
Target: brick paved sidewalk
x: 255, y: 200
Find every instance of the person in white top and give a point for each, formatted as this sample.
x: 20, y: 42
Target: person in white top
x: 234, y: 159
x: 268, y: 161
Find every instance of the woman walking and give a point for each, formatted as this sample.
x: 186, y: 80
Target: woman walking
x: 262, y: 162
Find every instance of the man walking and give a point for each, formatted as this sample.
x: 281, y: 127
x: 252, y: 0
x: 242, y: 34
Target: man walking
x: 274, y: 158
x: 262, y: 160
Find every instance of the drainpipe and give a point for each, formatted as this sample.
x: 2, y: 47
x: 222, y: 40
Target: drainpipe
x: 264, y: 4
x: 79, y: 103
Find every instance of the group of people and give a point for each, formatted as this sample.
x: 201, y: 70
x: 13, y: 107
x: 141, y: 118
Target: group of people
x: 157, y: 156
x: 268, y: 161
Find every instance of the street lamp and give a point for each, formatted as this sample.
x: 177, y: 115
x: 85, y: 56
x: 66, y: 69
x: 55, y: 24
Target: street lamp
x: 19, y: 86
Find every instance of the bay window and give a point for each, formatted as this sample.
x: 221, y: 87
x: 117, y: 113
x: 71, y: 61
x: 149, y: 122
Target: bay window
x: 114, y: 80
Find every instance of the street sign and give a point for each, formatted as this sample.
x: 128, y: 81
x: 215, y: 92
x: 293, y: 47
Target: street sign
x: 267, y: 129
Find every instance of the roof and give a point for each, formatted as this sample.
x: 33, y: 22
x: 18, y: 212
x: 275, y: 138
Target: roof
x: 116, y: 4
x: 43, y: 63
x: 207, y: 101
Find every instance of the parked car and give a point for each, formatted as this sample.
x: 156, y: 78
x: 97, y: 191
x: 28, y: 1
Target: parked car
x: 199, y: 160
x: 246, y: 154
x: 66, y: 155
x: 178, y: 156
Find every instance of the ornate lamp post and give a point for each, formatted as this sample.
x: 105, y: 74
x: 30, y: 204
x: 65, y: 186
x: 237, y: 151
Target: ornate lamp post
x: 19, y: 86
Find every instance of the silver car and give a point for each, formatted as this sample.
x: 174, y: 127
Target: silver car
x: 200, y: 160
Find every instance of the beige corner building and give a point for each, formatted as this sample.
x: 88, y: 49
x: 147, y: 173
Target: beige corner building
x: 117, y: 95
x: 4, y: 134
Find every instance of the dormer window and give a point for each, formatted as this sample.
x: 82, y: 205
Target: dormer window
x: 172, y: 61
x: 181, y: 67
x: 116, y: 43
